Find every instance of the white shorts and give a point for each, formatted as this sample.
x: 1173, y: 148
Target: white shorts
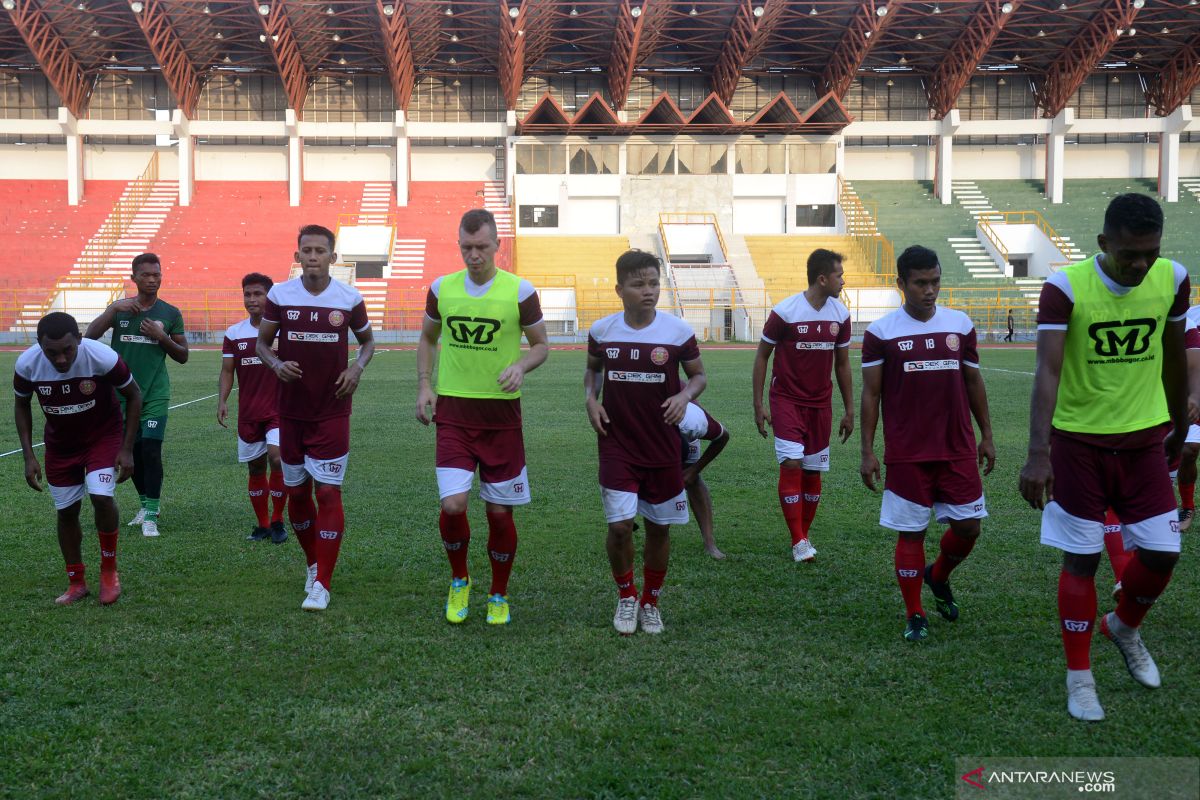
x: 898, y: 514
x: 1084, y: 536
x: 512, y: 492
x: 620, y: 506
x: 102, y: 482
x: 692, y: 452
x: 248, y: 451
x: 1193, y: 434
x: 813, y: 462
x: 330, y: 470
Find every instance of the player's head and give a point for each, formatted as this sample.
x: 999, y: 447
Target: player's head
x: 314, y: 250
x: 478, y: 242
x: 58, y: 336
x: 638, y: 280
x: 1133, y: 226
x: 147, y: 273
x: 919, y: 277
x: 254, y: 293
x: 825, y: 271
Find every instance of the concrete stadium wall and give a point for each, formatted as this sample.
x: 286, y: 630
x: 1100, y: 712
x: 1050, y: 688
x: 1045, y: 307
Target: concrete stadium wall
x: 241, y: 163
x: 453, y: 164
x: 33, y: 162
x: 109, y: 162
x: 349, y: 164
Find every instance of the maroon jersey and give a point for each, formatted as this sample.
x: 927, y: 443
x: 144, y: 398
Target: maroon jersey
x: 258, y: 388
x: 804, y: 340
x: 314, y: 331
x: 80, y: 404
x: 926, y: 413
x: 641, y: 370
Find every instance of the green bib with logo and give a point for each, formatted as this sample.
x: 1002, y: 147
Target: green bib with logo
x: 481, y: 336
x: 1112, y: 366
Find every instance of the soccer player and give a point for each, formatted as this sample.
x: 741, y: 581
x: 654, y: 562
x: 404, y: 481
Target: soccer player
x: 314, y: 315
x: 635, y: 356
x: 477, y: 405
x: 146, y: 329
x: 87, y: 445
x: 695, y: 427
x: 921, y: 361
x: 1191, y: 447
x: 258, y: 411
x: 1111, y: 371
x: 809, y: 333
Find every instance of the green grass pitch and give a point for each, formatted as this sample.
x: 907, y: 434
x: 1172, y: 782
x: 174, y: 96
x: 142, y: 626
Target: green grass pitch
x: 773, y: 679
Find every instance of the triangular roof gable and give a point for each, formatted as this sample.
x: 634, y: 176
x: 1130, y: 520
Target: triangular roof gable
x: 662, y: 111
x: 711, y: 112
x: 595, y: 112
x: 547, y: 111
x: 780, y: 111
x: 827, y: 111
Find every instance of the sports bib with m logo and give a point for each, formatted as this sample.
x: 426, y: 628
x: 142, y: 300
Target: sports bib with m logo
x: 481, y: 336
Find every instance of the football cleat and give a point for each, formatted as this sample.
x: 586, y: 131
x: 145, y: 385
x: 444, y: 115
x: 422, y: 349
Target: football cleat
x: 626, y: 618
x: 318, y: 598
x: 137, y: 518
x: 803, y: 551
x: 1185, y: 518
x: 1082, y: 701
x: 458, y: 600
x: 942, y: 594
x: 498, y: 612
x: 258, y: 534
x: 74, y: 593
x: 278, y: 532
x: 110, y: 587
x: 311, y: 577
x: 650, y: 618
x: 916, y: 629
x: 1137, y: 658
x: 150, y: 526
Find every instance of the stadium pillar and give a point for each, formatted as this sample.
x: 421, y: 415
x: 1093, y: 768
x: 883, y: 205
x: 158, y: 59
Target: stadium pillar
x: 295, y: 157
x: 1056, y: 153
x: 70, y: 128
x: 1168, y: 153
x: 402, y: 160
x: 944, y: 155
x: 187, y: 157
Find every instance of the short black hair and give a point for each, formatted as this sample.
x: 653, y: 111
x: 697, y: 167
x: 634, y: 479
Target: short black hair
x: 915, y: 257
x: 316, y: 230
x: 145, y: 258
x: 822, y: 262
x: 476, y: 218
x: 56, y: 325
x: 1135, y: 213
x: 635, y: 260
x: 259, y: 278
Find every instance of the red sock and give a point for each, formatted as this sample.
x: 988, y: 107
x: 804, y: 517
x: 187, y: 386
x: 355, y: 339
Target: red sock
x: 502, y: 548
x: 456, y: 536
x: 791, y: 499
x: 1140, y: 587
x: 1114, y: 543
x: 278, y: 497
x: 331, y: 525
x: 302, y: 512
x: 1077, y: 611
x: 108, y: 550
x: 625, y: 585
x: 812, y: 496
x: 954, y: 550
x: 257, y: 487
x: 75, y: 573
x: 910, y: 572
x: 1187, y: 495
x: 652, y: 581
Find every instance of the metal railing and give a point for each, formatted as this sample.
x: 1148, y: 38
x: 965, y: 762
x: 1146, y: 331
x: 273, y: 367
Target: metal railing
x: 100, y: 247
x: 986, y: 226
x: 690, y: 218
x: 869, y: 247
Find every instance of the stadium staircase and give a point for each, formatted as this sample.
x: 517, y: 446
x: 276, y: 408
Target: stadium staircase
x: 1190, y: 185
x: 375, y: 205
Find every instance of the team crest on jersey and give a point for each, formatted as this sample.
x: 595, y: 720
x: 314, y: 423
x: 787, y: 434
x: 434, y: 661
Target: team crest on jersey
x: 336, y: 318
x: 834, y: 328
x: 659, y: 356
x: 952, y: 341
x: 87, y: 386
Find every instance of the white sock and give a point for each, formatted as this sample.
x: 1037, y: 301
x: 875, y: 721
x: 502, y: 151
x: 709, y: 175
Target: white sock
x: 1075, y: 676
x: 1119, y: 628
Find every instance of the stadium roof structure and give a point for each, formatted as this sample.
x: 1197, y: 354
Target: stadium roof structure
x: 1056, y: 43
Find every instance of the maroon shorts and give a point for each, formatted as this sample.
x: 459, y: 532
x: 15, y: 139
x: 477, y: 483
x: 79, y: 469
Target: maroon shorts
x: 68, y: 467
x: 954, y: 483
x: 319, y: 449
x: 652, y: 484
x: 806, y: 426
x: 256, y: 430
x: 1136, y: 484
x: 499, y: 455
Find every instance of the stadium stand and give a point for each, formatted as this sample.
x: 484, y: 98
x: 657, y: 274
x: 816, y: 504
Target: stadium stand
x: 781, y: 262
x: 583, y: 263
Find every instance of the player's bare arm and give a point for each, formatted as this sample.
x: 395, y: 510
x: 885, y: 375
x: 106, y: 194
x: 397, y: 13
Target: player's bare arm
x: 845, y: 382
x: 133, y: 415
x: 1175, y: 384
x: 692, y: 472
x: 347, y: 382
x: 977, y: 398
x: 762, y: 417
x: 513, y: 376
x: 431, y: 329
x: 675, y: 406
x: 286, y: 371
x: 23, y: 414
x: 872, y: 384
x: 224, y: 387
x: 97, y: 327
x: 174, y: 345
x: 592, y: 381
x: 1037, y: 478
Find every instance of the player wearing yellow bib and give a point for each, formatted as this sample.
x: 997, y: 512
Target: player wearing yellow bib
x: 477, y: 404
x: 1111, y: 373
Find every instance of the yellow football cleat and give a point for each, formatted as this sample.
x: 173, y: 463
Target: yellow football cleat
x: 498, y: 613
x: 458, y: 600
